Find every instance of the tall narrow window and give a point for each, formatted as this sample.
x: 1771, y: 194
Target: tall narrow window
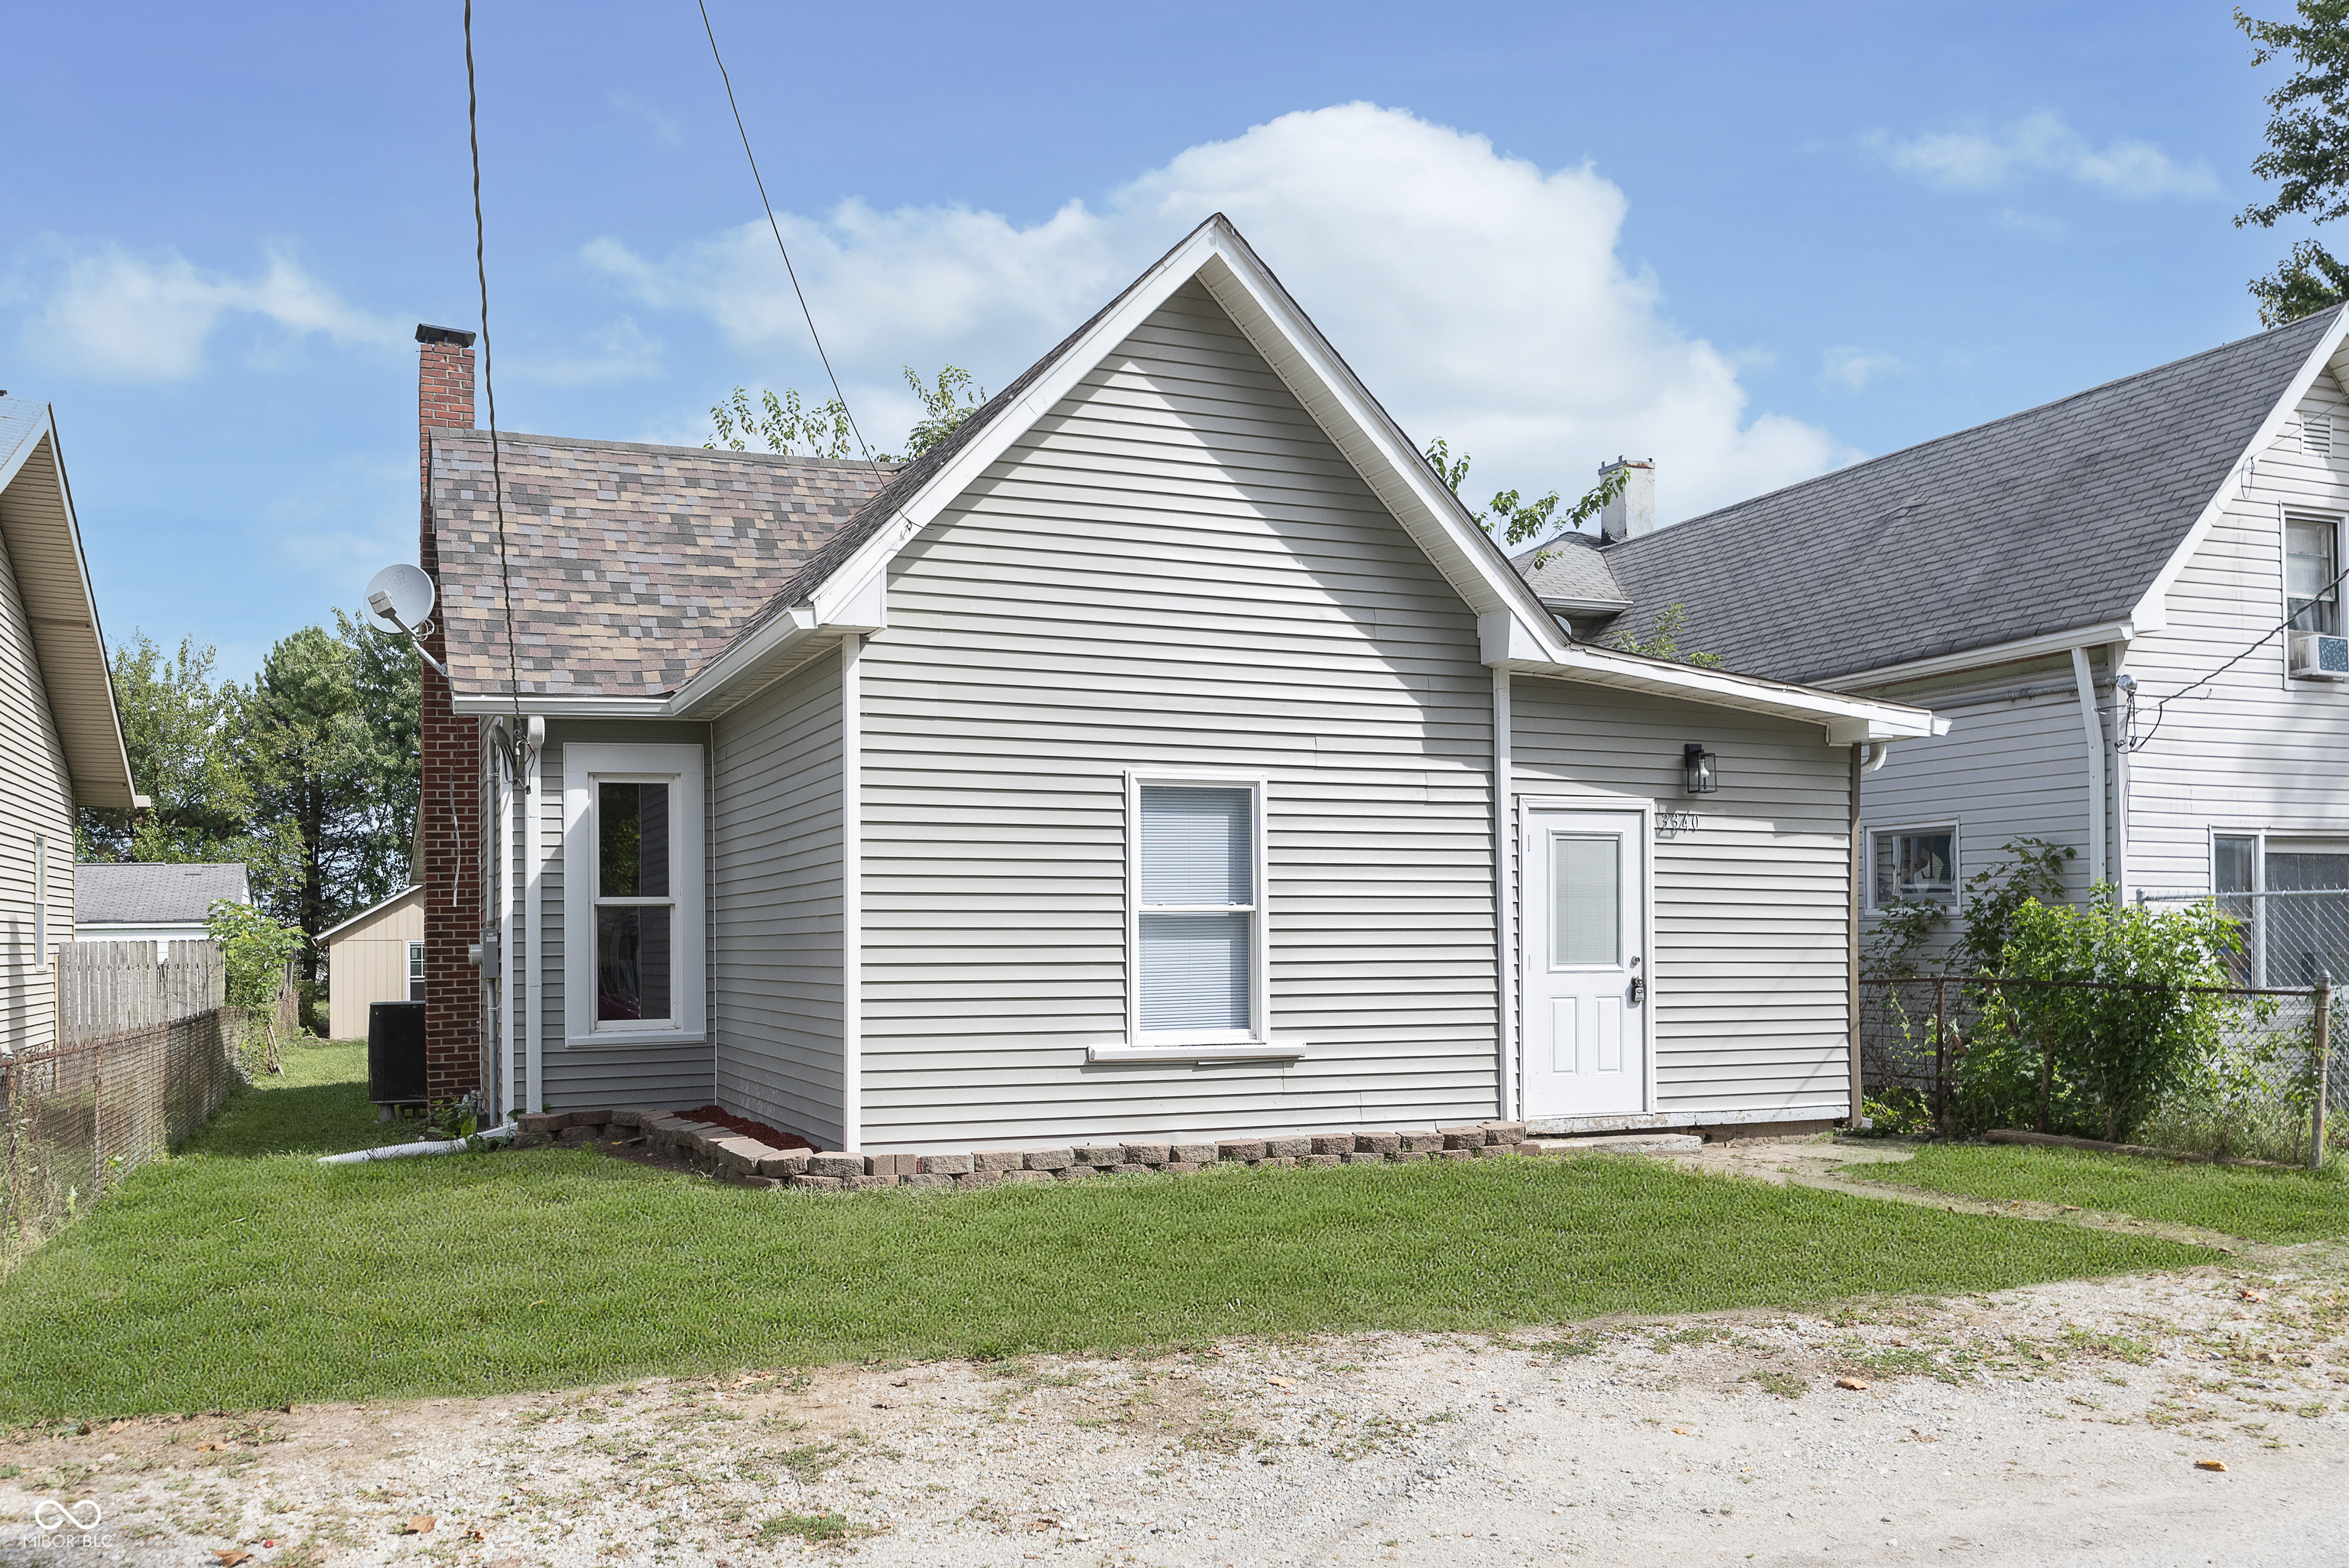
x: 635, y: 902
x: 1198, y: 919
x: 416, y: 971
x: 2310, y: 597
x: 2234, y: 861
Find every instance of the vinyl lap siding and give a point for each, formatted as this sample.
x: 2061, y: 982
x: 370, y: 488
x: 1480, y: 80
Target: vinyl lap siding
x: 2252, y: 749
x: 1750, y: 967
x: 1174, y: 569
x: 775, y: 958
x: 36, y: 801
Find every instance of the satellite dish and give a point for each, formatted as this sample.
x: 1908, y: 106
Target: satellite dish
x: 401, y: 594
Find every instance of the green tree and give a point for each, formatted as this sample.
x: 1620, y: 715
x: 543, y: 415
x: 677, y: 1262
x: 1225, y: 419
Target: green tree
x: 329, y: 747
x: 183, y: 736
x: 789, y: 422
x: 2308, y: 153
x: 1662, y: 640
x: 1515, y: 519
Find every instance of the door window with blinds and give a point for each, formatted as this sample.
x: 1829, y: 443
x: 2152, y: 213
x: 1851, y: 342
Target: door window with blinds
x: 1198, y: 912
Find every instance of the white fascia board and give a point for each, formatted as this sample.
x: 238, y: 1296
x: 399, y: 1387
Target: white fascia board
x: 2047, y: 645
x: 710, y: 688
x: 2151, y: 613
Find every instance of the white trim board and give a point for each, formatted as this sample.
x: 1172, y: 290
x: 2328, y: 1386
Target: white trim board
x: 681, y: 764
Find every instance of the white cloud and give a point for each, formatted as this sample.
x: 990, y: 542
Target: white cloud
x: 1480, y: 297
x: 2042, y: 143
x: 662, y: 129
x: 617, y: 353
x: 113, y: 314
x: 1854, y: 368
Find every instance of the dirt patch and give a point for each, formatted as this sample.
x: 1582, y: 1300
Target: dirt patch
x: 2059, y: 1424
x: 771, y: 1137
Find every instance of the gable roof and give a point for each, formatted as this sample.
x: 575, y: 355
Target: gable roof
x: 632, y: 564
x: 409, y: 894
x: 839, y: 588
x: 149, y: 893
x: 43, y: 543
x: 2066, y: 516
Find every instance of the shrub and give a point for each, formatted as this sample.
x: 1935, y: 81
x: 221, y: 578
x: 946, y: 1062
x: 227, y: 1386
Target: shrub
x: 2100, y: 1061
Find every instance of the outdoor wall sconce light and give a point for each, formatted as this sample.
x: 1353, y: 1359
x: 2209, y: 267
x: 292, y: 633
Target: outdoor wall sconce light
x: 1698, y: 764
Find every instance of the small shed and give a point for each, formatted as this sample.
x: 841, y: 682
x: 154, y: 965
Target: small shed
x: 377, y: 956
x: 160, y: 901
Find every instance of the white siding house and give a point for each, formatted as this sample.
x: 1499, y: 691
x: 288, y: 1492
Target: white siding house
x: 60, y: 740
x: 2095, y: 595
x: 1165, y: 753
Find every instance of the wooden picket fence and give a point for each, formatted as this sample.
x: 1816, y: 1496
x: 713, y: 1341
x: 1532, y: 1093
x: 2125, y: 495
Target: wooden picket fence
x: 108, y: 987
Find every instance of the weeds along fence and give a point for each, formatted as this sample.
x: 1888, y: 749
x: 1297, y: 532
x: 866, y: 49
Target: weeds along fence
x: 2275, y: 1085
x: 145, y: 1052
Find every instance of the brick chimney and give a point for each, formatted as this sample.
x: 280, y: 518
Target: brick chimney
x: 449, y: 817
x: 1632, y: 512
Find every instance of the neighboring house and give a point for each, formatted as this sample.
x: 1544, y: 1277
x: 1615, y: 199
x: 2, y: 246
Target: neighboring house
x: 1166, y: 752
x: 377, y: 956
x: 60, y: 739
x: 160, y: 901
x: 2096, y: 592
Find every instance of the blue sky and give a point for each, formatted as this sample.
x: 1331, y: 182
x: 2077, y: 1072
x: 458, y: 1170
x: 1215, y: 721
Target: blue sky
x: 1750, y: 242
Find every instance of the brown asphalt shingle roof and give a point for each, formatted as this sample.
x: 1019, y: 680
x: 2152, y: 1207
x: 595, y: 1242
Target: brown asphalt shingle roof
x: 632, y: 565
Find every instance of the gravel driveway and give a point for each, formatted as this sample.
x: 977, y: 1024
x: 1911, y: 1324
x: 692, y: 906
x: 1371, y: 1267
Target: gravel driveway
x: 2072, y: 1423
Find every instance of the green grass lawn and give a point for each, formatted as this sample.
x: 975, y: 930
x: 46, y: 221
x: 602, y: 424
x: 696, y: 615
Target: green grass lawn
x: 2282, y: 1206
x: 242, y: 1275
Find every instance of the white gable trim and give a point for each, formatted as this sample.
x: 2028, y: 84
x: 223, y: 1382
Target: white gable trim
x: 2152, y: 611
x: 852, y: 598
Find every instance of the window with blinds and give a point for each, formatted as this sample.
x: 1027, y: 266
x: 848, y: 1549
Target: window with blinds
x: 1198, y: 916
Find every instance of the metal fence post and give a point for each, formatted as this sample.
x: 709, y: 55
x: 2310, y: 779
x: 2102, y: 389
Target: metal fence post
x: 1940, y: 1056
x: 2323, y: 1062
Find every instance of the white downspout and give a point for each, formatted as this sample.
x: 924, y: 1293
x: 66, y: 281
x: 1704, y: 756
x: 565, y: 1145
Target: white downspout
x: 2093, y: 730
x: 851, y: 894
x: 2116, y: 657
x: 1503, y: 907
x: 533, y: 917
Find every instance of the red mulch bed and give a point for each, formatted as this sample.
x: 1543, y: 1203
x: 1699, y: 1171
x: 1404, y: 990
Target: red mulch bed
x: 746, y: 1127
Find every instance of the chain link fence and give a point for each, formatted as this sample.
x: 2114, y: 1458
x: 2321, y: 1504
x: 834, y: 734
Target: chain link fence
x: 2258, y: 1096
x: 145, y: 1053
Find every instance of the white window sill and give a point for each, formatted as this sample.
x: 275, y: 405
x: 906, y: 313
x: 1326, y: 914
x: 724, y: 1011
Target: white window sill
x: 631, y: 1039
x: 1244, y: 1051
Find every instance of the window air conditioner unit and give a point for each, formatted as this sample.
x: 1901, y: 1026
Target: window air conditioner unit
x: 2315, y: 656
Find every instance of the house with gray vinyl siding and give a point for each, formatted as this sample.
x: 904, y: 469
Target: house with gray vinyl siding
x: 2126, y: 602
x: 60, y: 737
x: 1165, y: 753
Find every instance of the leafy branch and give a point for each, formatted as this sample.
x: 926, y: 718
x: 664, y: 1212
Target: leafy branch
x: 789, y: 423
x: 1515, y: 519
x: 2307, y: 155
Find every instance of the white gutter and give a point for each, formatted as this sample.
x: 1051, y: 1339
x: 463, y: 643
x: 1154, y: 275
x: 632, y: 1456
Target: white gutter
x: 2115, y: 657
x: 501, y: 798
x: 2016, y: 652
x: 402, y: 1151
x: 2093, y: 730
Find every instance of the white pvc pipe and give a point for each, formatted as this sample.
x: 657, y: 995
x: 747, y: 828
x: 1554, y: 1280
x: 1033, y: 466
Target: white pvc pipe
x: 401, y: 1151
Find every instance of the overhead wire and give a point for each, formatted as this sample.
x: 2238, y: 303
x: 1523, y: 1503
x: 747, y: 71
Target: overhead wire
x: 777, y: 229
x: 515, y: 738
x: 2161, y: 705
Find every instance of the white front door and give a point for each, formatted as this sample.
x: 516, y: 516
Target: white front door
x: 1585, y: 971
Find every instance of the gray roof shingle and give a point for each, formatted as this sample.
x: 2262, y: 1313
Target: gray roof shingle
x: 2055, y: 518
x: 143, y: 893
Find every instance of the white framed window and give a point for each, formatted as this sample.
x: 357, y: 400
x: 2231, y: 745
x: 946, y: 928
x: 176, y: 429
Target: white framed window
x: 2312, y: 559
x: 2291, y: 894
x: 633, y: 891
x: 1912, y: 865
x: 416, y: 971
x: 1196, y: 911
